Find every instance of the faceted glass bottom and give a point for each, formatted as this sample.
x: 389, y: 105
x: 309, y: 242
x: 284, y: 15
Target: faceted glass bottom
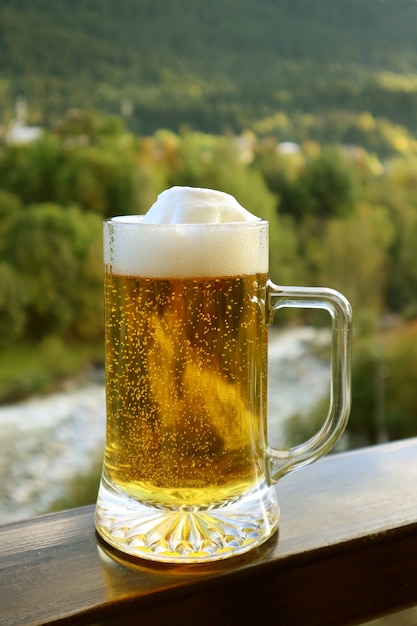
x: 186, y: 536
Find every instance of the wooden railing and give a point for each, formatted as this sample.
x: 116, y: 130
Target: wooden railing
x: 346, y: 552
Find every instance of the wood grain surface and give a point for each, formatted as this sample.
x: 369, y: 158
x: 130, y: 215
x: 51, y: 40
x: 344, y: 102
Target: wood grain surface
x: 346, y: 551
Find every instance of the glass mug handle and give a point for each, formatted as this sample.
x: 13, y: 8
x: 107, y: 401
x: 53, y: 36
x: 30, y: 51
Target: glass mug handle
x: 284, y: 461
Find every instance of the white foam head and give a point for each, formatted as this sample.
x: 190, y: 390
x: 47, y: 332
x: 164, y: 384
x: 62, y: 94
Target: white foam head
x: 195, y: 205
x: 188, y: 232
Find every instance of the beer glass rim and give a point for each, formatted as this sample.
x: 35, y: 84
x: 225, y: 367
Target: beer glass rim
x: 133, y: 221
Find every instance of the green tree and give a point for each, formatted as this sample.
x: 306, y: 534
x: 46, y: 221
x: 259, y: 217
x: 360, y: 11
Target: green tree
x: 29, y: 171
x: 353, y: 256
x: 51, y: 249
x: 401, y: 382
x: 282, y: 176
x: 96, y: 179
x: 319, y: 185
x: 13, y: 301
x: 13, y: 295
x: 397, y: 190
x: 330, y: 185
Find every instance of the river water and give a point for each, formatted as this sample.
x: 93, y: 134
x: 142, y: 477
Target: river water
x: 47, y: 441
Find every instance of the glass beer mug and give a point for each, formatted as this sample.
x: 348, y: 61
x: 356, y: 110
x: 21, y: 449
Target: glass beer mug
x: 188, y: 475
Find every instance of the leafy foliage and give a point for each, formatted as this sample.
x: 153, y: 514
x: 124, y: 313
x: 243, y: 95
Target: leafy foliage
x: 47, y: 274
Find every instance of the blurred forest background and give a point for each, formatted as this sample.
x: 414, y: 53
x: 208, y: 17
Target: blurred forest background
x: 305, y: 111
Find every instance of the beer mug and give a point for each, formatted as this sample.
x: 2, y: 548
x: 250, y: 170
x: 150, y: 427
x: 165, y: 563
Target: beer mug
x: 188, y: 475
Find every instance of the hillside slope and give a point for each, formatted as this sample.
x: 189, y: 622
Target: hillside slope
x: 212, y: 65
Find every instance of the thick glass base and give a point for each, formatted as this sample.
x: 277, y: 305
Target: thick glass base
x: 186, y: 536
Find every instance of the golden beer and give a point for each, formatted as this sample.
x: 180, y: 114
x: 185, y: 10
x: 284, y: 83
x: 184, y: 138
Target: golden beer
x: 186, y: 367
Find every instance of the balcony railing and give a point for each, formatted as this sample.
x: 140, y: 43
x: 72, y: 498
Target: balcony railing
x: 346, y: 552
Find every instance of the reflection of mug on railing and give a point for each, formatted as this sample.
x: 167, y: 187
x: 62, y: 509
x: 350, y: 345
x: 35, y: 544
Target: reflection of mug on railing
x: 188, y: 473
